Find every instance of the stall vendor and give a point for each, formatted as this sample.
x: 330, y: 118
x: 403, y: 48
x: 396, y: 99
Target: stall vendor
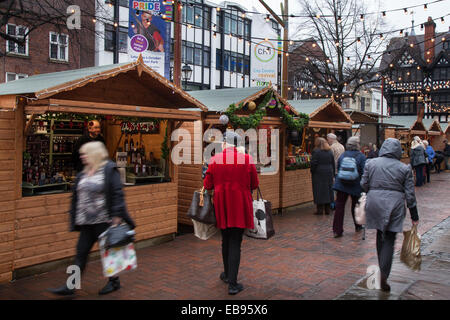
x: 94, y: 134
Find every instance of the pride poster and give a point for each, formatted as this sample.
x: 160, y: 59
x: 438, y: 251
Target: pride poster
x: 149, y: 33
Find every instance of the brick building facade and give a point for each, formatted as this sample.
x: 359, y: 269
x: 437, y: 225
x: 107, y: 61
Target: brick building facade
x: 48, y: 48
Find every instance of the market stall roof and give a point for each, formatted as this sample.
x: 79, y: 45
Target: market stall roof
x: 363, y: 117
x: 131, y: 84
x: 219, y: 100
x: 435, y: 128
x: 447, y: 130
x: 323, y: 113
x: 406, y: 121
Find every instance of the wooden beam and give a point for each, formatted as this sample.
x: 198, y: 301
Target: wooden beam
x: 8, y: 102
x: 276, y: 17
x: 84, y: 110
x: 110, y: 106
x: 331, y: 125
x: 29, y: 124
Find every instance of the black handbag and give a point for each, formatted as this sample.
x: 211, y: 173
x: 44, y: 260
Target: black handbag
x: 119, y: 235
x: 202, y: 208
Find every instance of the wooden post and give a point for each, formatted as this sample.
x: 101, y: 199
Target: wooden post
x: 177, y: 45
x: 282, y: 165
x: 169, y: 163
x: 284, y: 72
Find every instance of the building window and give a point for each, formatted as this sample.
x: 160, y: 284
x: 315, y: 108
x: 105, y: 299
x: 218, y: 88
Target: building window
x: 363, y: 104
x: 110, y: 38
x: 10, y: 76
x: 59, y: 47
x: 122, y: 3
x: 377, y: 102
x: 446, y: 45
x: 19, y: 33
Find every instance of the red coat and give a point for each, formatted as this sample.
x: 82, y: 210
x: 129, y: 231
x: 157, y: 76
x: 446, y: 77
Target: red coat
x: 233, y: 177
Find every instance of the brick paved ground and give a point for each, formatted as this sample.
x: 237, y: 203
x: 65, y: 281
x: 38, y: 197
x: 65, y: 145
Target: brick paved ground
x: 302, y: 261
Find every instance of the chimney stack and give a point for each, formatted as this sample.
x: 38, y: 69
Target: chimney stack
x: 430, y: 28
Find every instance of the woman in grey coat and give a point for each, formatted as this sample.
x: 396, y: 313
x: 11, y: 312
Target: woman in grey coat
x: 388, y: 183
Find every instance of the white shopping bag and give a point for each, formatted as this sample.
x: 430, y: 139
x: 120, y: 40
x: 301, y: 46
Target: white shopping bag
x: 262, y: 219
x: 202, y: 230
x: 116, y: 260
x: 360, y: 210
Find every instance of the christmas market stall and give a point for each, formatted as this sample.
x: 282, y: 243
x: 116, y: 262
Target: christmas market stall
x: 247, y: 108
x: 436, y: 135
x: 325, y: 116
x: 41, y: 119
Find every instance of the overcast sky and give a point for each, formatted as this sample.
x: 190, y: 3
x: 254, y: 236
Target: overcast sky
x: 395, y: 20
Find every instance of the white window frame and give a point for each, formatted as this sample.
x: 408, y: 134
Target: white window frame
x: 50, y: 42
x: 16, y: 45
x: 17, y: 75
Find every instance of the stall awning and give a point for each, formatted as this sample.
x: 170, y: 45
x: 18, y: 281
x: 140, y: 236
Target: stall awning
x: 323, y: 113
x: 114, y: 88
x: 217, y: 101
x: 435, y: 129
x: 363, y: 117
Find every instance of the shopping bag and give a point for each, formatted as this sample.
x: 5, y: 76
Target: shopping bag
x: 262, y: 219
x: 202, y: 208
x: 118, y: 259
x: 203, y: 231
x: 360, y: 211
x: 410, y: 253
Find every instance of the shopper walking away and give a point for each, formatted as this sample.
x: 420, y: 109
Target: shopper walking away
x: 373, y: 153
x: 233, y: 177
x: 93, y: 134
x: 439, y: 158
x: 430, y: 159
x: 97, y: 202
x: 388, y: 183
x: 418, y: 160
x: 322, y: 171
x: 335, y: 146
x: 347, y: 183
x: 447, y: 154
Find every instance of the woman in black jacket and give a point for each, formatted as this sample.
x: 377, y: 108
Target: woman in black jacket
x: 97, y: 202
x: 322, y: 170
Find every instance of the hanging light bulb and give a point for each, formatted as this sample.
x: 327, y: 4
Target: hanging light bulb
x: 348, y: 58
x: 214, y: 34
x: 381, y: 36
x: 425, y: 7
x: 362, y: 17
x: 421, y: 27
x: 442, y: 20
x: 405, y: 11
x: 383, y: 14
x: 313, y: 45
x: 401, y: 32
x: 339, y: 19
x: 267, y: 18
x: 291, y: 42
x: 358, y: 40
x: 318, y: 16
x: 217, y: 9
x: 411, y: 45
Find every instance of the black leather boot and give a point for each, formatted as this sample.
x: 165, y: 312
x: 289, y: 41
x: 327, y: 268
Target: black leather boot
x: 383, y: 284
x: 112, y: 285
x: 235, y: 288
x: 62, y: 291
x: 223, y: 277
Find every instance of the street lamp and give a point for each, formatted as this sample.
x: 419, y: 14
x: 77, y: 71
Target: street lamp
x: 186, y: 72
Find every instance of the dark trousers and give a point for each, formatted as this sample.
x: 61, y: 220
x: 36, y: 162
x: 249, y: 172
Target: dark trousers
x: 385, y: 251
x: 419, y: 175
x: 428, y: 168
x: 338, y: 221
x: 88, y: 236
x: 231, y: 252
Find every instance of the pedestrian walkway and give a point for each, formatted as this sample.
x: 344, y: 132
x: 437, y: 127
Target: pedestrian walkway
x: 302, y: 261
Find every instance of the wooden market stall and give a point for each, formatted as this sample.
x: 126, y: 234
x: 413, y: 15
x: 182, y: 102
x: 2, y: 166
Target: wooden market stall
x: 325, y: 116
x: 436, y: 135
x: 42, y: 116
x: 246, y: 102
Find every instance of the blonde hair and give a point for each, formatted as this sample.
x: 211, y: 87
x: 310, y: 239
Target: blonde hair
x: 96, y: 153
x: 425, y: 142
x: 322, y: 144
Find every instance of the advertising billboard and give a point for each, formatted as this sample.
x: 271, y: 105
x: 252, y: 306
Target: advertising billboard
x: 149, y: 33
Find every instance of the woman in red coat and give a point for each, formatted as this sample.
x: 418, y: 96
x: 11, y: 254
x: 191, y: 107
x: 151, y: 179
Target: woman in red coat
x: 233, y: 177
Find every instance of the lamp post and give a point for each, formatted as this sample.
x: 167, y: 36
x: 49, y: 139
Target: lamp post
x: 186, y: 73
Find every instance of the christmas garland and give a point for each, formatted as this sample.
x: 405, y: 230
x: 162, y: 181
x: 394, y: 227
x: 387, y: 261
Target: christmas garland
x: 88, y: 117
x: 164, y: 148
x: 253, y: 120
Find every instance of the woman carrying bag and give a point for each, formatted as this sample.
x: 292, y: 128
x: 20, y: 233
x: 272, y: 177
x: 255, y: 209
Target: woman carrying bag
x: 97, y: 203
x: 389, y: 184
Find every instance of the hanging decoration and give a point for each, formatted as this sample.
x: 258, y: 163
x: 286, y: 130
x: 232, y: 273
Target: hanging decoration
x: 253, y: 120
x: 139, y: 127
x: 251, y: 105
x: 224, y: 119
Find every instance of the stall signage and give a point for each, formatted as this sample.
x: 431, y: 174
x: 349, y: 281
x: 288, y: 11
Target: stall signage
x: 149, y: 33
x: 140, y: 127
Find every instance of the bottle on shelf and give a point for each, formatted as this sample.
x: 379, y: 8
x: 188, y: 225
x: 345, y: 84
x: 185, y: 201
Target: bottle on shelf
x: 125, y: 147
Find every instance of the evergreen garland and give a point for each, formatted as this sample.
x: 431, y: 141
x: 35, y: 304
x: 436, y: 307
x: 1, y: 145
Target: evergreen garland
x: 253, y: 120
x: 164, y: 148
